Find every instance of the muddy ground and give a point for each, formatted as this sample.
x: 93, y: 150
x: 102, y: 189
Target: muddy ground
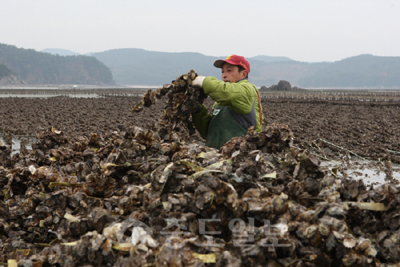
x: 330, y: 129
x: 363, y: 128
x: 88, y: 201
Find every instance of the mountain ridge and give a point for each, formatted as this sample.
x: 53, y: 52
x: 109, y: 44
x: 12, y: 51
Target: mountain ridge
x: 134, y: 65
x: 33, y: 67
x: 137, y: 66
x: 60, y: 52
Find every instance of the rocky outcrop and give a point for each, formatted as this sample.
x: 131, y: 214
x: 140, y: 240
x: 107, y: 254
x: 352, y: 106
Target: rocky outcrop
x: 282, y: 86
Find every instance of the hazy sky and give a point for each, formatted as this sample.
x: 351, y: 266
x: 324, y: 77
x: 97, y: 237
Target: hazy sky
x: 304, y: 30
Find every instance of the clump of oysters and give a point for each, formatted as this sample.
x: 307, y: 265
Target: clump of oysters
x: 149, y: 197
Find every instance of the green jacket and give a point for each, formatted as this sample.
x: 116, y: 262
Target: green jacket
x: 241, y: 98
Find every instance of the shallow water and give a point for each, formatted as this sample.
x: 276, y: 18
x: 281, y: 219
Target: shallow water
x: 71, y: 95
x: 88, y: 95
x: 49, y: 95
x: 16, y: 143
x: 371, y: 172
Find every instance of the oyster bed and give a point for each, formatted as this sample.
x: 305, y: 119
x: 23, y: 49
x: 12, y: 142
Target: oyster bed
x: 126, y: 198
x: 124, y: 195
x: 370, y: 129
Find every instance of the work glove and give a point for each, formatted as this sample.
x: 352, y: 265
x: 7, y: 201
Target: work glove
x: 198, y: 81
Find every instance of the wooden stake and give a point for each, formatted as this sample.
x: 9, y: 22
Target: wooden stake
x: 397, y: 152
x: 351, y: 152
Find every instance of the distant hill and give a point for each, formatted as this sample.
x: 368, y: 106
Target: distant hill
x: 133, y: 66
x: 60, y: 52
x: 35, y: 67
x: 142, y: 67
x: 363, y: 71
x: 270, y: 59
x: 4, y: 71
x: 358, y: 71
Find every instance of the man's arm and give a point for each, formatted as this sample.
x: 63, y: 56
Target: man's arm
x: 201, y: 119
x: 238, y: 96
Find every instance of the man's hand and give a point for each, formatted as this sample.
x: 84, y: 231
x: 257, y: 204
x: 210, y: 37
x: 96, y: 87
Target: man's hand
x: 198, y: 81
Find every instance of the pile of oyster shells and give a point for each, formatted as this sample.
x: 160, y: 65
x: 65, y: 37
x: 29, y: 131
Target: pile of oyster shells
x: 134, y: 198
x: 183, y: 99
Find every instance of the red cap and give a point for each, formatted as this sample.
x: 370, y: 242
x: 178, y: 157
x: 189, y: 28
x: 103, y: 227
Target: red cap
x: 234, y: 60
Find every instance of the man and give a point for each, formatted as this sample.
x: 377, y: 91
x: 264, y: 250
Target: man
x: 237, y: 106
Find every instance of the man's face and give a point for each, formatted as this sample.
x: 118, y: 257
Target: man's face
x: 231, y: 74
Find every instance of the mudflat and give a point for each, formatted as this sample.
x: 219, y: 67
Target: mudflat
x: 97, y: 190
x: 368, y: 128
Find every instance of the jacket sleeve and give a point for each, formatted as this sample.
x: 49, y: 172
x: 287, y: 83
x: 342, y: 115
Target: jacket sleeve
x: 201, y: 120
x: 237, y: 96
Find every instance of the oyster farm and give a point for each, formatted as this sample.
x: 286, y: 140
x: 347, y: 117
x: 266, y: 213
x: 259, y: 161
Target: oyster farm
x: 120, y: 177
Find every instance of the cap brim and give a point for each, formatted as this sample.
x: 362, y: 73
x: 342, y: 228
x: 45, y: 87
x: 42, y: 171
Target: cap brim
x: 218, y: 63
